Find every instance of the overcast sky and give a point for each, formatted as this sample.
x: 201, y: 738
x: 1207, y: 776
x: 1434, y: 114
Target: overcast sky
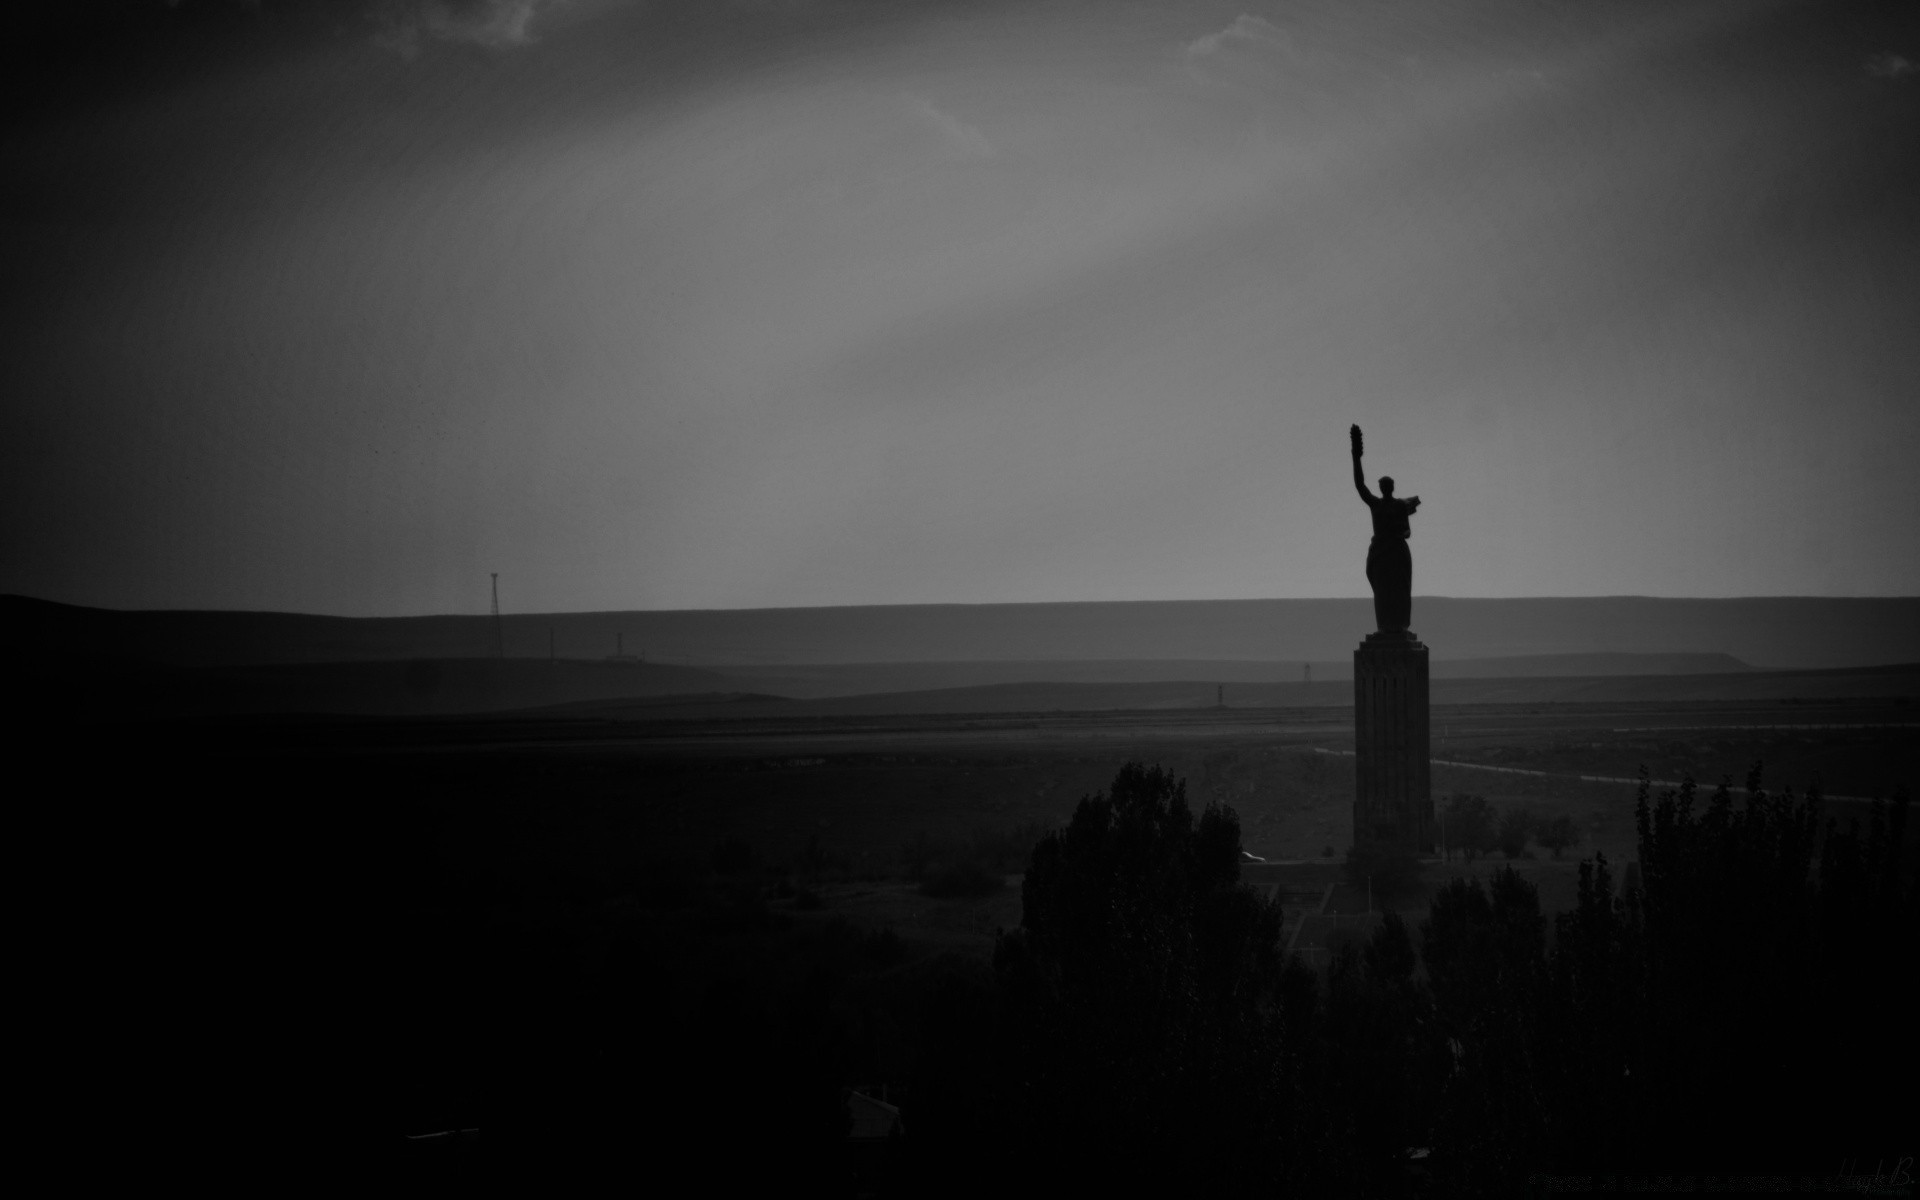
x: 338, y: 308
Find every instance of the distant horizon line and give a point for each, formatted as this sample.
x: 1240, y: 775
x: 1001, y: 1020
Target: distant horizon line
x: 939, y: 604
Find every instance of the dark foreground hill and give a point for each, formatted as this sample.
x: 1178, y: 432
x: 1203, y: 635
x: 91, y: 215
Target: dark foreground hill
x: 1769, y: 632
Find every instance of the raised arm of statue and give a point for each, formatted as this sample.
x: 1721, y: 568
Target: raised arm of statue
x: 1413, y: 505
x: 1360, y: 480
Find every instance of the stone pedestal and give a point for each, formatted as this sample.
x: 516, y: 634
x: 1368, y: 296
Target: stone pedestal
x: 1393, y: 797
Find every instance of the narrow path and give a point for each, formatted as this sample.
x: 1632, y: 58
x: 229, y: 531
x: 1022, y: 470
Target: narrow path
x: 1301, y: 923
x: 1664, y: 783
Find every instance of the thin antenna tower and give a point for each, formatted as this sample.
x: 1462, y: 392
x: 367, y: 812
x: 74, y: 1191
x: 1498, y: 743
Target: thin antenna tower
x: 499, y: 634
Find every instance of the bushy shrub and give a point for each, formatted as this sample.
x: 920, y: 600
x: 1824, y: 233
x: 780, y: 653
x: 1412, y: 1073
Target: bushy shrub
x: 1516, y: 826
x: 972, y: 866
x: 734, y: 856
x: 884, y: 947
x: 1557, y: 834
x: 815, y: 862
x: 962, y: 877
x: 1468, y: 824
x: 667, y: 883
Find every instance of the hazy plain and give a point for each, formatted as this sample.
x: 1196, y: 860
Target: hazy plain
x: 836, y: 801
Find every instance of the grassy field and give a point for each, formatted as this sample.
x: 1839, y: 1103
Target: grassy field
x: 837, y: 801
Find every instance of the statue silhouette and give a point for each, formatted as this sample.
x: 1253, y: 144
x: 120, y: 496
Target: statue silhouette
x: 1389, y: 563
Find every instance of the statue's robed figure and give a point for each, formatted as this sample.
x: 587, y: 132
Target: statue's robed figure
x: 1389, y: 562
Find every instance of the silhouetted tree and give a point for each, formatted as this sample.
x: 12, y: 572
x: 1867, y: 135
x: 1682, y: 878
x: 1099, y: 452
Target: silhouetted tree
x: 1597, y: 1067
x: 956, y: 1114
x: 1383, y: 1063
x: 1485, y: 951
x: 1868, y: 907
x: 1142, y: 993
x: 1729, y: 921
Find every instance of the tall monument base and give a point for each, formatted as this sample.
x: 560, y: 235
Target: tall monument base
x: 1393, y: 796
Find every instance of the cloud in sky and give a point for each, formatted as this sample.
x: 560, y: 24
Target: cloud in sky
x: 1249, y: 51
x: 1890, y: 66
x: 963, y: 139
x: 1245, y: 28
x: 495, y: 24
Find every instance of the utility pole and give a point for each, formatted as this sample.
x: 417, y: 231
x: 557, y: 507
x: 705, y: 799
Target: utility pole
x: 551, y: 659
x: 499, y: 634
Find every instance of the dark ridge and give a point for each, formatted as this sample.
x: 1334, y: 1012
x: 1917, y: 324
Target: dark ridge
x: 1777, y: 633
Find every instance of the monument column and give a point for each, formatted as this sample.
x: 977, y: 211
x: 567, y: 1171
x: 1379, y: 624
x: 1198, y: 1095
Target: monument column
x: 1393, y: 801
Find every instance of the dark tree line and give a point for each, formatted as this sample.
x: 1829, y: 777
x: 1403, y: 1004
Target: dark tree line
x: 1473, y: 826
x: 1737, y: 1006
x: 1739, y: 1010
